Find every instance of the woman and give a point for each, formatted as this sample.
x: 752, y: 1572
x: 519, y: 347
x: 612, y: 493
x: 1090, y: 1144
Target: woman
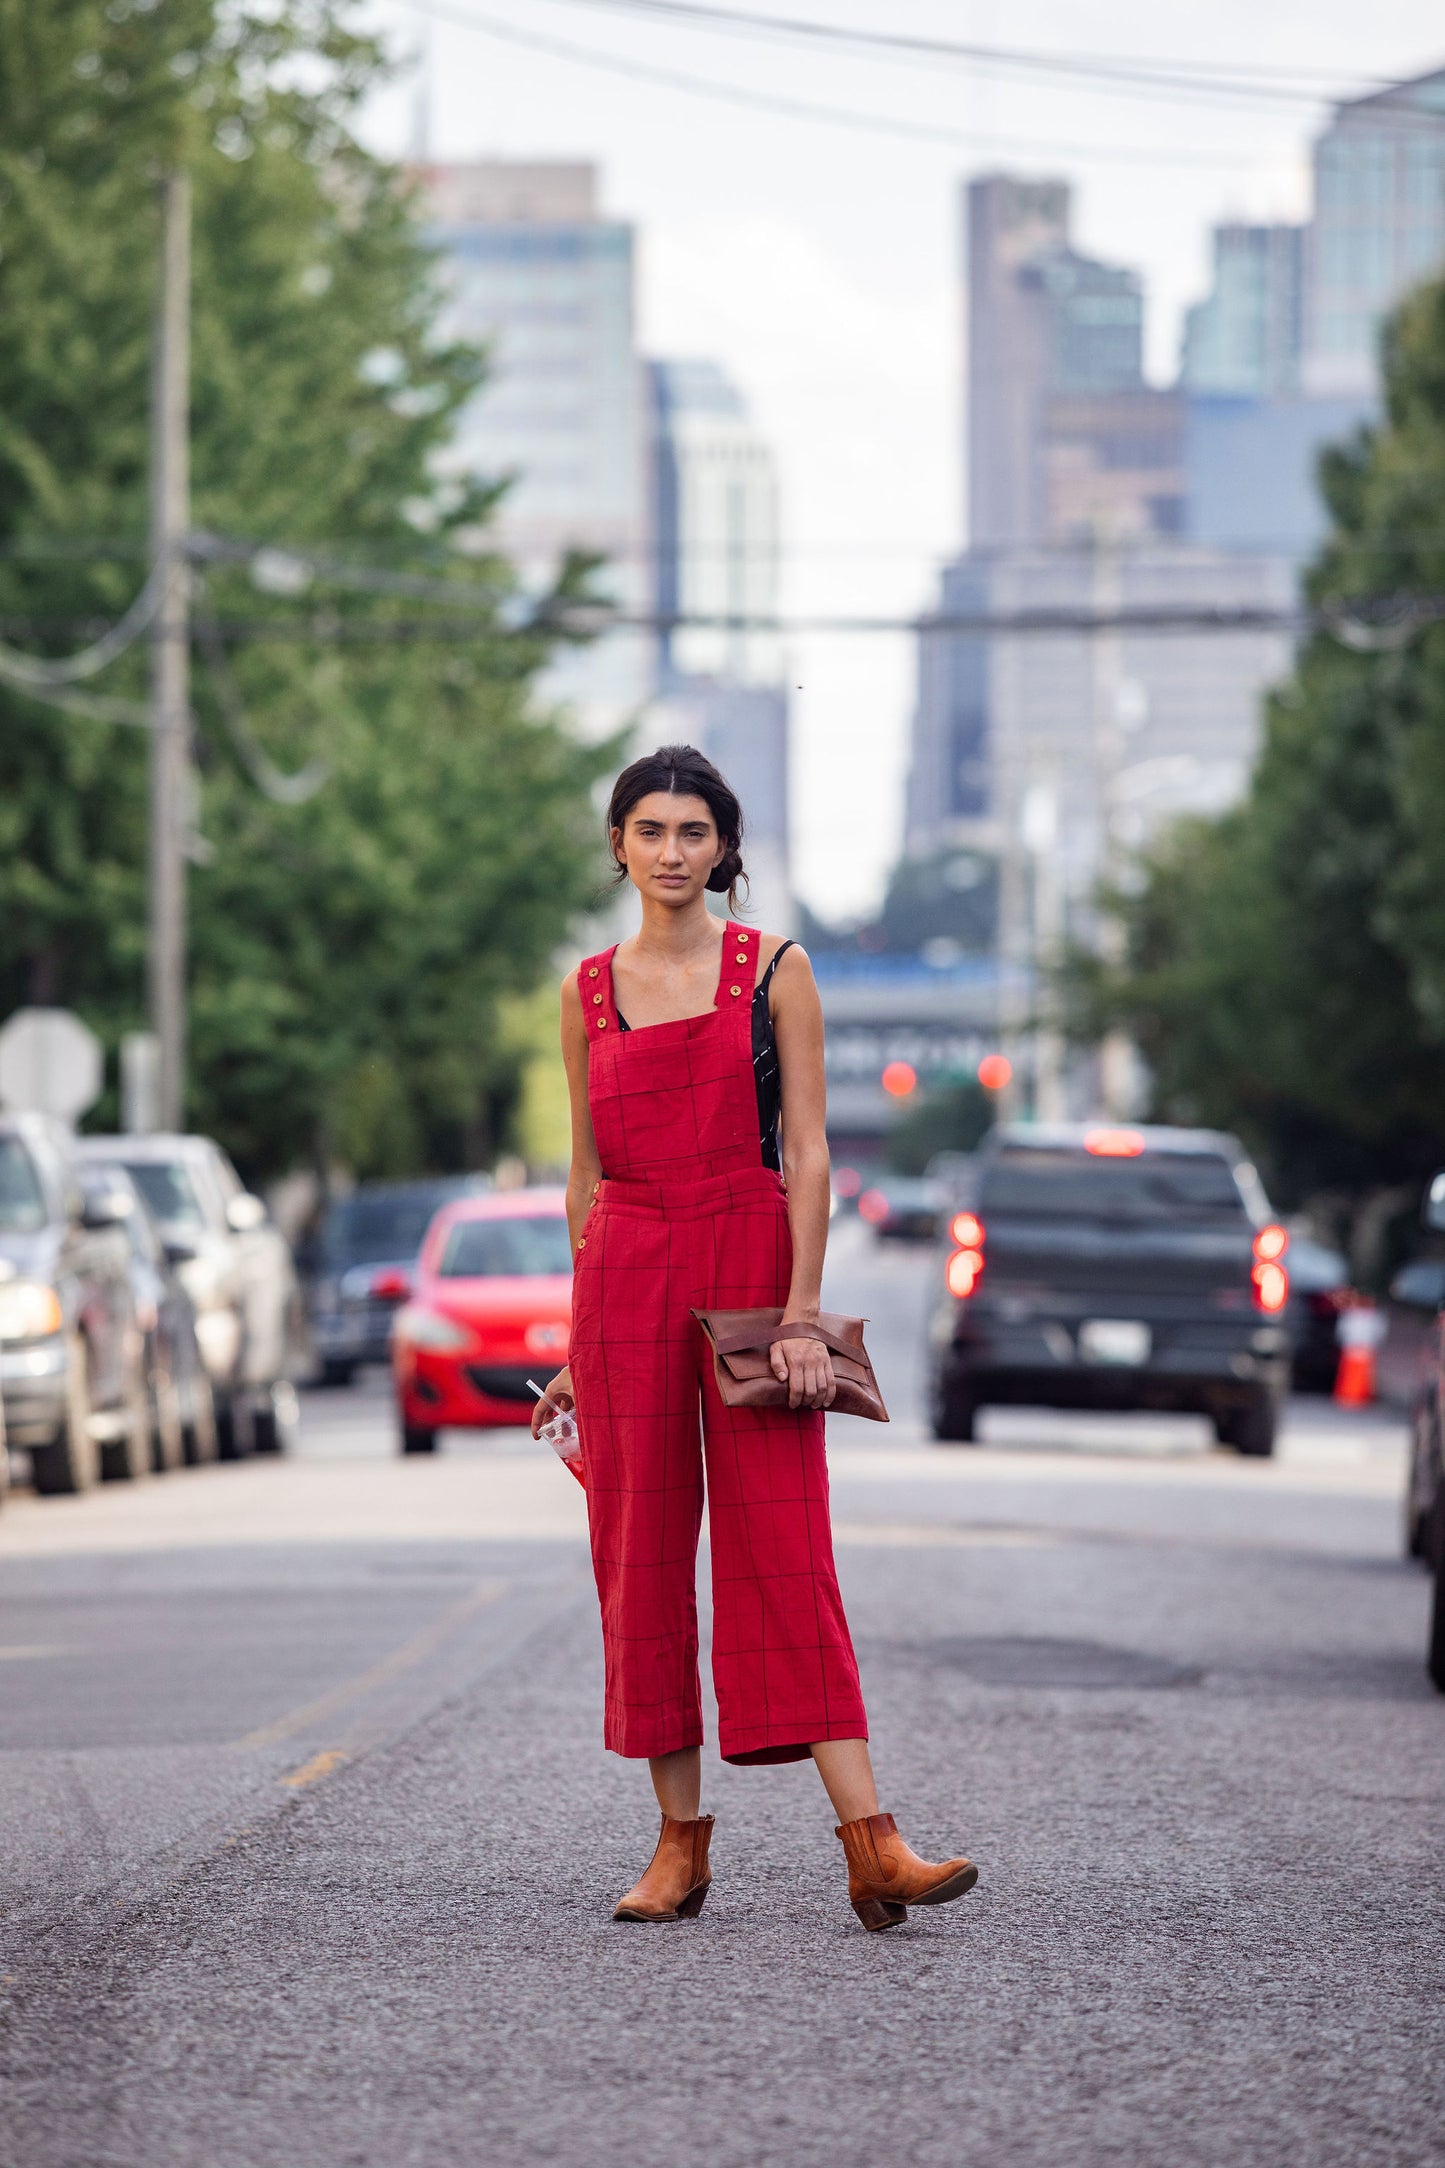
x: 685, y: 1047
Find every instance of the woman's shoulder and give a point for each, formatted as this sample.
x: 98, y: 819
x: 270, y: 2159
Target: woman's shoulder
x: 789, y: 955
x: 588, y: 966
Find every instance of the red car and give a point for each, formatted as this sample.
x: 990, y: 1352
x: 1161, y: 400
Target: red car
x: 491, y: 1307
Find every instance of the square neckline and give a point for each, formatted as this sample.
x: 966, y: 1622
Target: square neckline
x: 698, y: 1016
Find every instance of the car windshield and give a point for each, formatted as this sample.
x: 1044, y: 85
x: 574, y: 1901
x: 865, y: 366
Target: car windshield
x: 365, y: 1230
x: 494, y: 1249
x: 107, y: 1178
x: 22, y: 1201
x: 1064, y: 1184
x: 168, y: 1189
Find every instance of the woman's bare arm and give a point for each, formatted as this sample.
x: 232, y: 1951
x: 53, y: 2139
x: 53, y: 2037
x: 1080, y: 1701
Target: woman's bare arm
x: 798, y: 1029
x: 585, y: 1170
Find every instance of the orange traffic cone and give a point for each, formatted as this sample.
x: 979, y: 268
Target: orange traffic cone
x: 1360, y: 1330
x: 1355, y: 1377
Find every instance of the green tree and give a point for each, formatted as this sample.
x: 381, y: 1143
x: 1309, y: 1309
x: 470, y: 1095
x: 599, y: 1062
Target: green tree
x: 349, y: 952
x: 952, y: 1117
x: 1284, y: 968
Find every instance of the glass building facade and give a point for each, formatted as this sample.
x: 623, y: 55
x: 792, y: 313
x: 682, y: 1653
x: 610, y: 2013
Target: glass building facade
x: 545, y: 284
x: 1379, y: 227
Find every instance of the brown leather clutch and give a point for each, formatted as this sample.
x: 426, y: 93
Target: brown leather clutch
x: 742, y: 1342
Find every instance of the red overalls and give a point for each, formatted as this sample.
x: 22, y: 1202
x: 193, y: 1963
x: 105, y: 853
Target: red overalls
x: 687, y: 1217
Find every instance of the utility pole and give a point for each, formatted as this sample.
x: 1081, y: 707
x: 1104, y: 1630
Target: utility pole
x: 170, y: 772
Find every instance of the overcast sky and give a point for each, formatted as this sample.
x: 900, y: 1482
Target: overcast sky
x: 819, y: 262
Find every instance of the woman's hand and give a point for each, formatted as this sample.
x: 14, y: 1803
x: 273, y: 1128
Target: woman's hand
x: 558, y: 1389
x: 806, y: 1368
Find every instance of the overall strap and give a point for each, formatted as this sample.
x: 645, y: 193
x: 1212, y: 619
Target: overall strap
x: 738, y: 968
x: 778, y: 954
x: 599, y: 1004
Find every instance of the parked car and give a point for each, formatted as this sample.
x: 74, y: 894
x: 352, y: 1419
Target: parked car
x: 365, y: 1262
x: 178, y: 1390
x: 1109, y: 1267
x: 238, y: 1271
x: 492, y: 1307
x: 1319, y: 1290
x: 71, y: 1355
x: 902, y: 1207
x: 1405, y: 1356
x: 1425, y: 1488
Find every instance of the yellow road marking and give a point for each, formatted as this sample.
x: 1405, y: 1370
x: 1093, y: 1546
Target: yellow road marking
x: 391, y: 1667
x: 319, y: 1766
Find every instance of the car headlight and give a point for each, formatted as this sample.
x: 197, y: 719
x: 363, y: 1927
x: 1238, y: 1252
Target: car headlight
x: 204, y: 1279
x: 429, y: 1329
x: 29, y: 1311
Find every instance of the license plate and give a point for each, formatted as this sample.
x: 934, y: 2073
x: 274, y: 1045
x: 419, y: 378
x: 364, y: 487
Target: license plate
x: 1114, y: 1340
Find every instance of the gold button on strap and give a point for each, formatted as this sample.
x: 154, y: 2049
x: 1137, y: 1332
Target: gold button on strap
x: 597, y: 997
x: 581, y: 1242
x: 742, y: 936
x: 592, y: 971
x: 601, y: 1023
x: 740, y: 957
x: 735, y: 989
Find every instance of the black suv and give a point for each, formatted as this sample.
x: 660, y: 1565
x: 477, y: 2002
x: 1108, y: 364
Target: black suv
x: 1109, y: 1267
x: 361, y: 1271
x: 71, y: 1351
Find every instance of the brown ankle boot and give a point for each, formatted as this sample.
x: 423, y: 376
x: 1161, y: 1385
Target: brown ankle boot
x: 885, y: 1877
x: 676, y: 1881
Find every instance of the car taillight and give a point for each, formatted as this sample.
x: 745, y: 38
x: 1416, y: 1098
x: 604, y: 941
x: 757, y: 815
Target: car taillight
x: 873, y: 1207
x: 1114, y: 1143
x: 964, y: 1269
x: 390, y: 1285
x: 1268, y: 1277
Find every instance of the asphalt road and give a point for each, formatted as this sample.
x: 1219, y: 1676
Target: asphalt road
x: 308, y: 1844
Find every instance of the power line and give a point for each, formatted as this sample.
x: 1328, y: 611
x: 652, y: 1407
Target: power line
x: 280, y: 788
x: 1239, y: 83
x: 91, y: 707
x: 734, y: 94
x: 35, y: 673
x: 1368, y: 619
x: 327, y: 559
x: 1109, y: 73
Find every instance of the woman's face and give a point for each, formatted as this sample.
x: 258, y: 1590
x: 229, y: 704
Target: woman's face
x: 669, y: 845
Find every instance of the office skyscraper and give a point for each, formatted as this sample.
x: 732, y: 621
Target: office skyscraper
x: 1244, y: 338
x: 714, y: 525
x: 1379, y: 227
x: 1252, y: 438
x: 715, y: 546
x: 543, y: 281
x: 1065, y: 439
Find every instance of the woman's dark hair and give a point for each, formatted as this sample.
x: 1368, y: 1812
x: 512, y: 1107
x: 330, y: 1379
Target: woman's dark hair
x: 684, y: 772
